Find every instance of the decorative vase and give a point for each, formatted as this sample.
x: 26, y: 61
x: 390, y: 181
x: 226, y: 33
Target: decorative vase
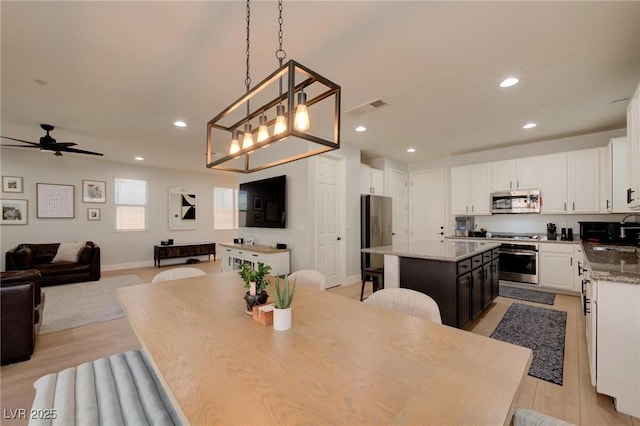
x: 253, y: 300
x: 281, y: 319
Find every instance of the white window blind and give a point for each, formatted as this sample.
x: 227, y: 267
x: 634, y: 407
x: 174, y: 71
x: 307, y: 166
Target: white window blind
x: 224, y: 208
x: 131, y: 204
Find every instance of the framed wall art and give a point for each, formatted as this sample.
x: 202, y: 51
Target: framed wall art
x: 14, y: 212
x: 94, y: 191
x: 55, y: 201
x: 11, y: 184
x: 93, y: 214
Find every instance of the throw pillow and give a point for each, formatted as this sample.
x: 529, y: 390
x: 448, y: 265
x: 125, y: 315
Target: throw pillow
x: 68, y: 252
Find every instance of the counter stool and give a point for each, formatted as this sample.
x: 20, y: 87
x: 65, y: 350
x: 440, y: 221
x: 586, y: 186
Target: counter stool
x: 377, y: 279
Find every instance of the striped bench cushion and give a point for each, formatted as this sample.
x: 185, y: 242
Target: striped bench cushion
x: 118, y: 390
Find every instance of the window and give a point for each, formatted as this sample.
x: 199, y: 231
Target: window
x: 224, y: 208
x: 131, y: 204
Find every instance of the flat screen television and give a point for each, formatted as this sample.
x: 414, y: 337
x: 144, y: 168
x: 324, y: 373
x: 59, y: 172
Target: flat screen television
x: 262, y: 203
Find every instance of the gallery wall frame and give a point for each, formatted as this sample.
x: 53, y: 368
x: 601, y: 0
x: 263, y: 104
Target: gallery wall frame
x: 14, y: 212
x: 93, y: 214
x: 94, y: 191
x: 11, y: 184
x: 55, y: 201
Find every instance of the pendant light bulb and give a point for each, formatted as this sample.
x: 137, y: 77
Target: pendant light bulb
x: 235, y: 144
x: 263, y: 131
x: 247, y: 141
x: 281, y: 122
x: 302, y: 115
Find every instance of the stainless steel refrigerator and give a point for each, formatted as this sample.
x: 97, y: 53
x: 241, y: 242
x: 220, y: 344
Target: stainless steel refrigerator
x: 375, y: 227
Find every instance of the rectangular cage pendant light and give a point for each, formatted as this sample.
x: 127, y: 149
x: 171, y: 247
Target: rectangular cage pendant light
x: 247, y: 141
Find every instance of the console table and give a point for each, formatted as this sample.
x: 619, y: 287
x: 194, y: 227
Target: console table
x: 183, y: 250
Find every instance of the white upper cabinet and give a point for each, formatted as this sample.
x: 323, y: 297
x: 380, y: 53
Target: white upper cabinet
x: 606, y: 180
x: 618, y: 174
x: 522, y: 173
x: 553, y: 188
x: 633, y: 159
x: 471, y: 190
x: 584, y: 181
x: 371, y: 181
x: 571, y: 182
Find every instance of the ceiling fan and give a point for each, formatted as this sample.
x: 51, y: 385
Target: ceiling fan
x: 47, y: 143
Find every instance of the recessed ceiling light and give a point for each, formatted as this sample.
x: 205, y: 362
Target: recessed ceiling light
x: 360, y: 129
x: 411, y: 150
x: 529, y: 126
x: 508, y: 82
x: 138, y: 158
x: 180, y: 123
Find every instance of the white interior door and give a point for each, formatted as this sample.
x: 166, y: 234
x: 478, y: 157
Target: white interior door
x: 428, y: 204
x: 398, y: 188
x: 330, y: 258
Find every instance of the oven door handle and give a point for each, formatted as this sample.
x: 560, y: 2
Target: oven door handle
x: 519, y: 253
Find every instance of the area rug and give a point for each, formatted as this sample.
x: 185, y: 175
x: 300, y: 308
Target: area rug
x: 540, y: 329
x: 74, y: 305
x: 526, y: 294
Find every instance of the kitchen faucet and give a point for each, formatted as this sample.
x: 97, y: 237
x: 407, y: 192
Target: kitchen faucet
x: 623, y: 228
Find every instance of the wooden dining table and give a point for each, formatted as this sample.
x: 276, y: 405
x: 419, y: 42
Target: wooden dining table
x: 342, y: 362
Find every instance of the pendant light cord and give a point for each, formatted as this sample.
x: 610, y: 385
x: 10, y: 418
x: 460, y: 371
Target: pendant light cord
x: 280, y: 53
x: 247, y: 80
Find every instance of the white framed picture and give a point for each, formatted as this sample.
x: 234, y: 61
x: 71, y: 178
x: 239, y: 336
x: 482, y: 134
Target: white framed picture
x: 14, y: 212
x: 11, y: 184
x: 93, y: 214
x: 94, y: 191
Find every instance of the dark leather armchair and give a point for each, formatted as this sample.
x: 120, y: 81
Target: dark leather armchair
x: 22, y: 305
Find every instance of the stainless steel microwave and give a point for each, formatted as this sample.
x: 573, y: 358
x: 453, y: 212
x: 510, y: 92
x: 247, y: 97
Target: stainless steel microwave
x: 526, y: 201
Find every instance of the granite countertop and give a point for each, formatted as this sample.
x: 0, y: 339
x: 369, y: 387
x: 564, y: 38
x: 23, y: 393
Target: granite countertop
x: 444, y: 249
x: 542, y: 239
x: 617, y: 265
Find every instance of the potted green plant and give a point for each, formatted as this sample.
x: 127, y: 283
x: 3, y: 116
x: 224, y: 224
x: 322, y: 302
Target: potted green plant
x: 282, y: 300
x: 256, y: 281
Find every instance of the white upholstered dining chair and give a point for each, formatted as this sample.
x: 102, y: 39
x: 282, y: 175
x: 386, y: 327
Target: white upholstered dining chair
x: 178, y: 273
x: 308, y: 277
x: 406, y: 301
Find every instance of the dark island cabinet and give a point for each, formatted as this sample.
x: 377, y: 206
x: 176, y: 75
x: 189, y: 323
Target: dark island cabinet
x: 462, y: 290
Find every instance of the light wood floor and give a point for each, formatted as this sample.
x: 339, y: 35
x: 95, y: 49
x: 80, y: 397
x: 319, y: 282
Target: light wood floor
x: 576, y: 401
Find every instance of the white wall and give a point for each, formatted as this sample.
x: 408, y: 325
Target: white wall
x: 118, y: 249
x: 299, y: 233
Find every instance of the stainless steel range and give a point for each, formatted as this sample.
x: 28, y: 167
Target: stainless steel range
x: 519, y: 261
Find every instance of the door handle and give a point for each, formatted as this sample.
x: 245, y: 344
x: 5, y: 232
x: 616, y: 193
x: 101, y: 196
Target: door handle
x: 339, y: 239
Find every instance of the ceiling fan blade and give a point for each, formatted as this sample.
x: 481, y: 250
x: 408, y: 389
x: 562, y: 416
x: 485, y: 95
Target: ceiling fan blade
x: 19, y: 140
x: 23, y: 146
x: 64, y: 144
x: 78, y: 151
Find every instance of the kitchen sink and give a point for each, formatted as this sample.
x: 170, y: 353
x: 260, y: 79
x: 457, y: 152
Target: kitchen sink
x: 619, y: 249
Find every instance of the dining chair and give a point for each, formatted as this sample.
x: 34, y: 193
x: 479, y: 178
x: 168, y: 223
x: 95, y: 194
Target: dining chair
x: 178, y: 273
x: 406, y: 301
x: 308, y: 277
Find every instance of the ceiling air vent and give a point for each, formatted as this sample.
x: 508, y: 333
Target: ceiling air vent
x: 367, y: 107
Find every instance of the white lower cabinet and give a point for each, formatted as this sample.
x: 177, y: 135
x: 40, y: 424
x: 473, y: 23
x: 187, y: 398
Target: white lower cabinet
x: 234, y: 255
x: 556, y: 266
x: 616, y: 314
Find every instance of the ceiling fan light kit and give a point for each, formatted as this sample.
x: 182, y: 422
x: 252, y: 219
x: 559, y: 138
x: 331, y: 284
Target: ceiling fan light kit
x: 284, y: 137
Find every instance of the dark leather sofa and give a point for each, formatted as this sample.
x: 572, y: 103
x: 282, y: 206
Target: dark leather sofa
x: 39, y: 256
x: 22, y: 306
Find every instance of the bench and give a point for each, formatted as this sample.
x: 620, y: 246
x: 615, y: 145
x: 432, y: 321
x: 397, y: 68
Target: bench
x: 117, y: 390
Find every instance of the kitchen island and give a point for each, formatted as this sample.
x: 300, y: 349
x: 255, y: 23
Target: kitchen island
x: 461, y: 276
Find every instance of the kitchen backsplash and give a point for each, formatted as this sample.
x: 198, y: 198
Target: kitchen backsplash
x: 537, y: 223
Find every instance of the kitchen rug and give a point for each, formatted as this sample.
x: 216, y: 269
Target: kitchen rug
x: 526, y: 294
x: 540, y: 329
